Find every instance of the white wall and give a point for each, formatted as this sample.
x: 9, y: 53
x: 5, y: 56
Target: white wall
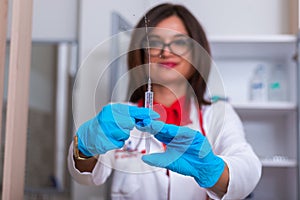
x: 53, y: 20
x: 236, y: 17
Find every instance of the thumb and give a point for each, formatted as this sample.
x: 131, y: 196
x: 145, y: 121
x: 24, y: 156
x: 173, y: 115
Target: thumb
x: 142, y: 113
x: 157, y: 159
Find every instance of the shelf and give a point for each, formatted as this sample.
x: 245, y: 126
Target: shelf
x: 261, y: 46
x: 265, y: 109
x: 253, y: 39
x: 267, y: 124
x: 272, y: 106
x: 279, y: 162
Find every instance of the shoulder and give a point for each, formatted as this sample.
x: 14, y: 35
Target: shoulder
x: 219, y: 109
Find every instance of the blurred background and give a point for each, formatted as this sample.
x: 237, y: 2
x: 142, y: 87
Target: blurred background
x: 65, y: 72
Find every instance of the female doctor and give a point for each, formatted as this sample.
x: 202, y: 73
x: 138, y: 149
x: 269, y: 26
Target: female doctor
x: 198, y: 148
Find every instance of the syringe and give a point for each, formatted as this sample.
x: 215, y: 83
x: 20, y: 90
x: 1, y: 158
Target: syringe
x: 149, y: 96
x: 148, y: 104
x: 148, y: 93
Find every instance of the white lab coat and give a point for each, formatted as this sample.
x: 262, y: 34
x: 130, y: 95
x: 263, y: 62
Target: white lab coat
x: 133, y: 179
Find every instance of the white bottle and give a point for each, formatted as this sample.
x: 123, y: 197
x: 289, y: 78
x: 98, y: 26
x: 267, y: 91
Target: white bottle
x: 277, y: 84
x: 258, y: 85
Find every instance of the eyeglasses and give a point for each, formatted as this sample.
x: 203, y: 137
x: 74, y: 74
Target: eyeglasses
x: 178, y: 46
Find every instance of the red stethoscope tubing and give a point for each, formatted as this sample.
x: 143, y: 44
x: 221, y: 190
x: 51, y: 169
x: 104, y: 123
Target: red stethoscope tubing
x: 204, y: 134
x: 201, y: 123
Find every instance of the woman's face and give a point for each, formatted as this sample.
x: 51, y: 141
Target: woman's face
x: 169, y: 64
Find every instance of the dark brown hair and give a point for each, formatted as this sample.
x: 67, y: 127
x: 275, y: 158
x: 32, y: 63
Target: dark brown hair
x: 137, y: 57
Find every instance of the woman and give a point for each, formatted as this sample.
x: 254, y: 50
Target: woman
x: 198, y: 148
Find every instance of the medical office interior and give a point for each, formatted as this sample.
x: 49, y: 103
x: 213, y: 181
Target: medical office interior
x: 251, y: 40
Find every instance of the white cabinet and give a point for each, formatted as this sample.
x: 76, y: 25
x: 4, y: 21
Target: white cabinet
x: 270, y: 127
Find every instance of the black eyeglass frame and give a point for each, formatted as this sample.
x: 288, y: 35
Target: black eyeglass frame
x: 145, y: 47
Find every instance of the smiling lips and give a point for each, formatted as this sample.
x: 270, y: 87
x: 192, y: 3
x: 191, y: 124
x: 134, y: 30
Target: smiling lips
x: 168, y: 64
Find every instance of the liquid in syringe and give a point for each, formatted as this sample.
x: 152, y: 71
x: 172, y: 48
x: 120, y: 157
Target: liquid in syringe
x: 149, y: 96
x: 148, y: 104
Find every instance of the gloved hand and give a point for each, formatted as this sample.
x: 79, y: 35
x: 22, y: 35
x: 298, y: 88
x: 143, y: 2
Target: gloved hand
x: 110, y: 128
x: 188, y: 152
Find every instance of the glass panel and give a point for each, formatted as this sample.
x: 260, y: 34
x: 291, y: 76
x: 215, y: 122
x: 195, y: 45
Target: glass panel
x: 43, y: 163
x: 120, y: 43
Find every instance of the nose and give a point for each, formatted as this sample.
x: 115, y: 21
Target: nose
x: 165, y: 51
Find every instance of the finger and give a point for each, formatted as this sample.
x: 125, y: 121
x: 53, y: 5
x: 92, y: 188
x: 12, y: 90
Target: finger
x: 147, y: 126
x: 143, y: 123
x: 106, y: 136
x: 126, y: 116
x: 118, y: 135
x: 156, y: 159
x: 118, y: 144
x: 160, y: 130
x: 164, y: 132
x: 143, y: 113
x: 118, y: 114
x: 166, y: 159
x: 158, y: 126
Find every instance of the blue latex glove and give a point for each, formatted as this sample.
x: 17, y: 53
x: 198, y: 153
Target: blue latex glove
x: 111, y: 127
x: 188, y: 152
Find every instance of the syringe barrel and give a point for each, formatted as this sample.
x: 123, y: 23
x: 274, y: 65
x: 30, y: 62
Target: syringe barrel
x: 148, y: 104
x: 149, y: 99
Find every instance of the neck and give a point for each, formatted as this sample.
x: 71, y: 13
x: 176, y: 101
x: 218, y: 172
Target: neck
x: 168, y: 95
